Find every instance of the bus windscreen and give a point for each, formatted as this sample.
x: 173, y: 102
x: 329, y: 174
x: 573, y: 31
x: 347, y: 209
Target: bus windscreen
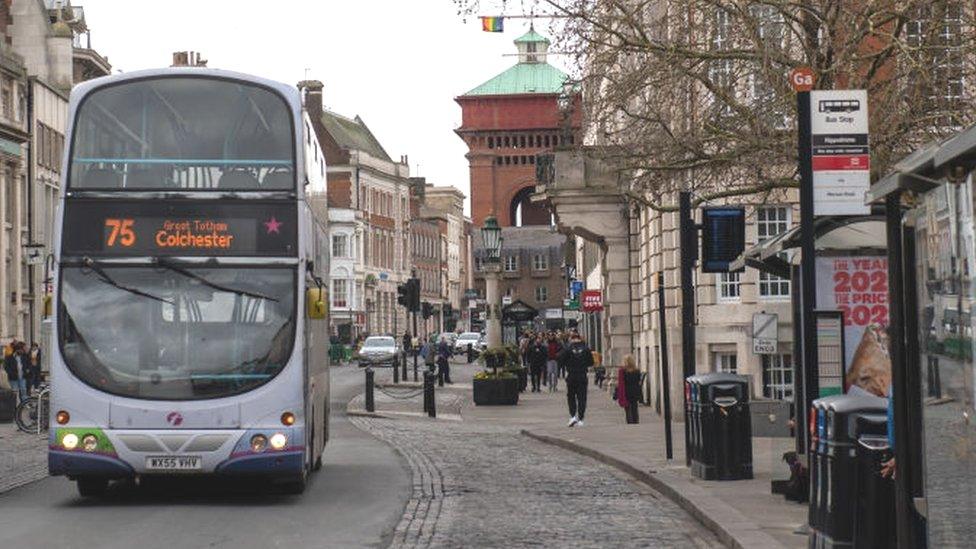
x: 183, y: 133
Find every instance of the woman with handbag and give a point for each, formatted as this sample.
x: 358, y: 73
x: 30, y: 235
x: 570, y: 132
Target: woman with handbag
x: 628, y: 392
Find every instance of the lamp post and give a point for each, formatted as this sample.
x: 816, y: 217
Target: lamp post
x: 491, y: 238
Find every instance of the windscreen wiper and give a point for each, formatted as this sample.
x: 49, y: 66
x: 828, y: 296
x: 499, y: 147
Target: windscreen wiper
x: 166, y: 264
x: 101, y: 275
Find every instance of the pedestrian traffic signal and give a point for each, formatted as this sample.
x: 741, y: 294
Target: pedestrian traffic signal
x: 408, y: 294
x: 428, y: 310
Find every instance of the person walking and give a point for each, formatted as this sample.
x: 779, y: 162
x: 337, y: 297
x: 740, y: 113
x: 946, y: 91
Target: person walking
x: 14, y: 364
x: 538, y: 354
x: 628, y: 393
x: 576, y: 359
x: 429, y: 352
x: 552, y: 362
x: 443, y: 362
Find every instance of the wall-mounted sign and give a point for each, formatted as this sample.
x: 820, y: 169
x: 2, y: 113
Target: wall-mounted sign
x: 552, y: 314
x: 124, y: 228
x: 592, y: 301
x: 506, y: 300
x: 723, y: 238
x: 841, y: 155
x: 765, y: 334
x: 575, y: 287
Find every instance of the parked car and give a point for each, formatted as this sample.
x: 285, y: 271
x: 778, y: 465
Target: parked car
x: 378, y: 351
x: 461, y: 345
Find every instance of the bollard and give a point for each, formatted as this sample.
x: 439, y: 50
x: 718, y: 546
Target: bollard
x: 470, y: 353
x: 404, y: 376
x: 396, y: 370
x: 415, y: 366
x: 430, y: 405
x: 370, y: 403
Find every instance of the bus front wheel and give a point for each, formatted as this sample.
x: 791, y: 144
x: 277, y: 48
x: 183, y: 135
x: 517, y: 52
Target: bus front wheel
x: 92, y: 487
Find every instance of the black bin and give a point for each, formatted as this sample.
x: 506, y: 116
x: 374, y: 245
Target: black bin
x: 818, y: 464
x: 724, y: 445
x: 8, y: 405
x: 874, y: 517
x: 836, y: 485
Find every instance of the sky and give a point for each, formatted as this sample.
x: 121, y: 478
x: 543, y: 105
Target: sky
x: 396, y: 63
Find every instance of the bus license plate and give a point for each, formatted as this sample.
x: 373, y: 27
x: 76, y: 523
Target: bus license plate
x: 173, y: 463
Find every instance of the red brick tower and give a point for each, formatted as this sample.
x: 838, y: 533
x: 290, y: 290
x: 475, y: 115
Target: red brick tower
x: 508, y: 120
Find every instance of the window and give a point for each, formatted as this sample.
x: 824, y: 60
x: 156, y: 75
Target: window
x: 541, y: 294
x: 726, y: 362
x: 340, y: 246
x: 728, y: 286
x: 720, y: 70
x: 340, y: 293
x: 540, y: 262
x: 777, y: 372
x: 479, y: 263
x: 771, y: 221
x: 511, y: 263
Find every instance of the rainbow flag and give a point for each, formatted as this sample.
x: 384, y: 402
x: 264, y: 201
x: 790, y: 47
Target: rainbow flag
x: 493, y: 24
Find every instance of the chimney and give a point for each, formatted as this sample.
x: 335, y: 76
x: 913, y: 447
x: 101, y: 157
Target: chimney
x: 313, y: 97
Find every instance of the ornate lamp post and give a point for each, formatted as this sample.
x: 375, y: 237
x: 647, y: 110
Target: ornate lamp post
x: 491, y: 238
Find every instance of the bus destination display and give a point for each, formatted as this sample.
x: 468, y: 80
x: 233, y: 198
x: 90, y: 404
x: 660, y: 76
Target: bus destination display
x: 173, y: 229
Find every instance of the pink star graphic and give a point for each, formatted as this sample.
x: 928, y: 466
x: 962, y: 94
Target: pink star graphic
x: 273, y: 225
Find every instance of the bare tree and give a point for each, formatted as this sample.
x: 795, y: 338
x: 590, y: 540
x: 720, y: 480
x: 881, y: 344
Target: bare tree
x: 694, y: 94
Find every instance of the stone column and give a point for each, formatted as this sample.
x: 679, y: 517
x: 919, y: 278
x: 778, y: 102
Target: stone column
x: 5, y: 187
x: 617, y: 322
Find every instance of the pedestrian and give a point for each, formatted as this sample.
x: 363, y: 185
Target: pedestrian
x: 577, y: 359
x: 538, y: 354
x: 14, y: 365
x: 552, y: 364
x: 429, y: 352
x: 599, y: 370
x: 34, y: 366
x: 443, y: 362
x: 407, y: 342
x: 628, y: 393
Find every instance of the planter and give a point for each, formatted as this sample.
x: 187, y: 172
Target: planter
x: 496, y: 392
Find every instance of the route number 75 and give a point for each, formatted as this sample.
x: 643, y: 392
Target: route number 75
x: 121, y: 231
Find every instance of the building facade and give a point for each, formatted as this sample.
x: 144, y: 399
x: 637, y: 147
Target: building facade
x: 52, y: 42
x: 369, y: 222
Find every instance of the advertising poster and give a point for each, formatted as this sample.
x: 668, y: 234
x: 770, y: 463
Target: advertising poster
x: 858, y: 287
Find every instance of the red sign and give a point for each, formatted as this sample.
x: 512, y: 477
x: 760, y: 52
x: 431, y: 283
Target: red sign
x: 802, y: 79
x: 592, y: 301
x: 841, y: 162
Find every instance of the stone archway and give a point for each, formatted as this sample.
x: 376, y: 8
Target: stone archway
x: 523, y: 212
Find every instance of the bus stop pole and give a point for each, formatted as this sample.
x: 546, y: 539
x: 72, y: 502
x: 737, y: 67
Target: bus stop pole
x: 688, y: 236
x: 808, y: 251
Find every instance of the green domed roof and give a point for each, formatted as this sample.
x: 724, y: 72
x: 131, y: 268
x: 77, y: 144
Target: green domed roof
x: 524, y: 78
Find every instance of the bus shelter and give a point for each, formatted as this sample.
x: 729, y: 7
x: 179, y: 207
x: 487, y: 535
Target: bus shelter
x: 851, y: 306
x: 930, y: 231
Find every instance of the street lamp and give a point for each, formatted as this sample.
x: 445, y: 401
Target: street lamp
x: 491, y: 239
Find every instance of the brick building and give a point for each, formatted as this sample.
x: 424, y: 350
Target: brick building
x: 425, y: 244
x: 505, y: 122
x: 369, y: 220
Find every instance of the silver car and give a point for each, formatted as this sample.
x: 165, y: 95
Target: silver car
x: 377, y: 351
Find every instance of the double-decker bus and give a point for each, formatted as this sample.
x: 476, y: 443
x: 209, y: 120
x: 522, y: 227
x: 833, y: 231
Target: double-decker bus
x: 190, y: 331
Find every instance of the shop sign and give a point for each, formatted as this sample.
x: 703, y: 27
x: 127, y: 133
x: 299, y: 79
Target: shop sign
x: 552, y: 314
x: 765, y: 330
x: 592, y: 301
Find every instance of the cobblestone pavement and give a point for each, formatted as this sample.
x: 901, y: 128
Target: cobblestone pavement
x: 484, y: 485
x: 23, y: 457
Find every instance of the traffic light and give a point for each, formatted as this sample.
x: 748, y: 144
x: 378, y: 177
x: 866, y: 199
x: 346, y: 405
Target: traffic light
x: 428, y: 310
x: 413, y: 302
x: 403, y: 294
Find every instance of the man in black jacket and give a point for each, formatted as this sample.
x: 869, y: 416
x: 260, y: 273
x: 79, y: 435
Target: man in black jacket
x: 577, y: 359
x: 537, y: 354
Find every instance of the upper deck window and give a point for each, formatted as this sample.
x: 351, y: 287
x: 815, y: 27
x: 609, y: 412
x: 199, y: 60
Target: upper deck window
x: 183, y: 133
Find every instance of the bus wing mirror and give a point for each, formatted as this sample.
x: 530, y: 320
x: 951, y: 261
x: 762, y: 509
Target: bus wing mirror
x: 315, y: 303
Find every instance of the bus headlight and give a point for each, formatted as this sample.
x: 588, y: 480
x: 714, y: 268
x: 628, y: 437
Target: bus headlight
x: 278, y: 441
x: 259, y: 443
x: 70, y: 441
x: 89, y: 442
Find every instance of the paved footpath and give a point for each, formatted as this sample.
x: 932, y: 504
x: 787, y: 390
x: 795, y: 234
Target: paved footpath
x: 23, y: 457
x: 740, y: 513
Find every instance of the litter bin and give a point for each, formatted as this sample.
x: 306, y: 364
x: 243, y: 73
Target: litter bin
x: 8, y: 405
x: 724, y: 427
x: 818, y: 464
x: 874, y: 517
x: 839, y: 421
